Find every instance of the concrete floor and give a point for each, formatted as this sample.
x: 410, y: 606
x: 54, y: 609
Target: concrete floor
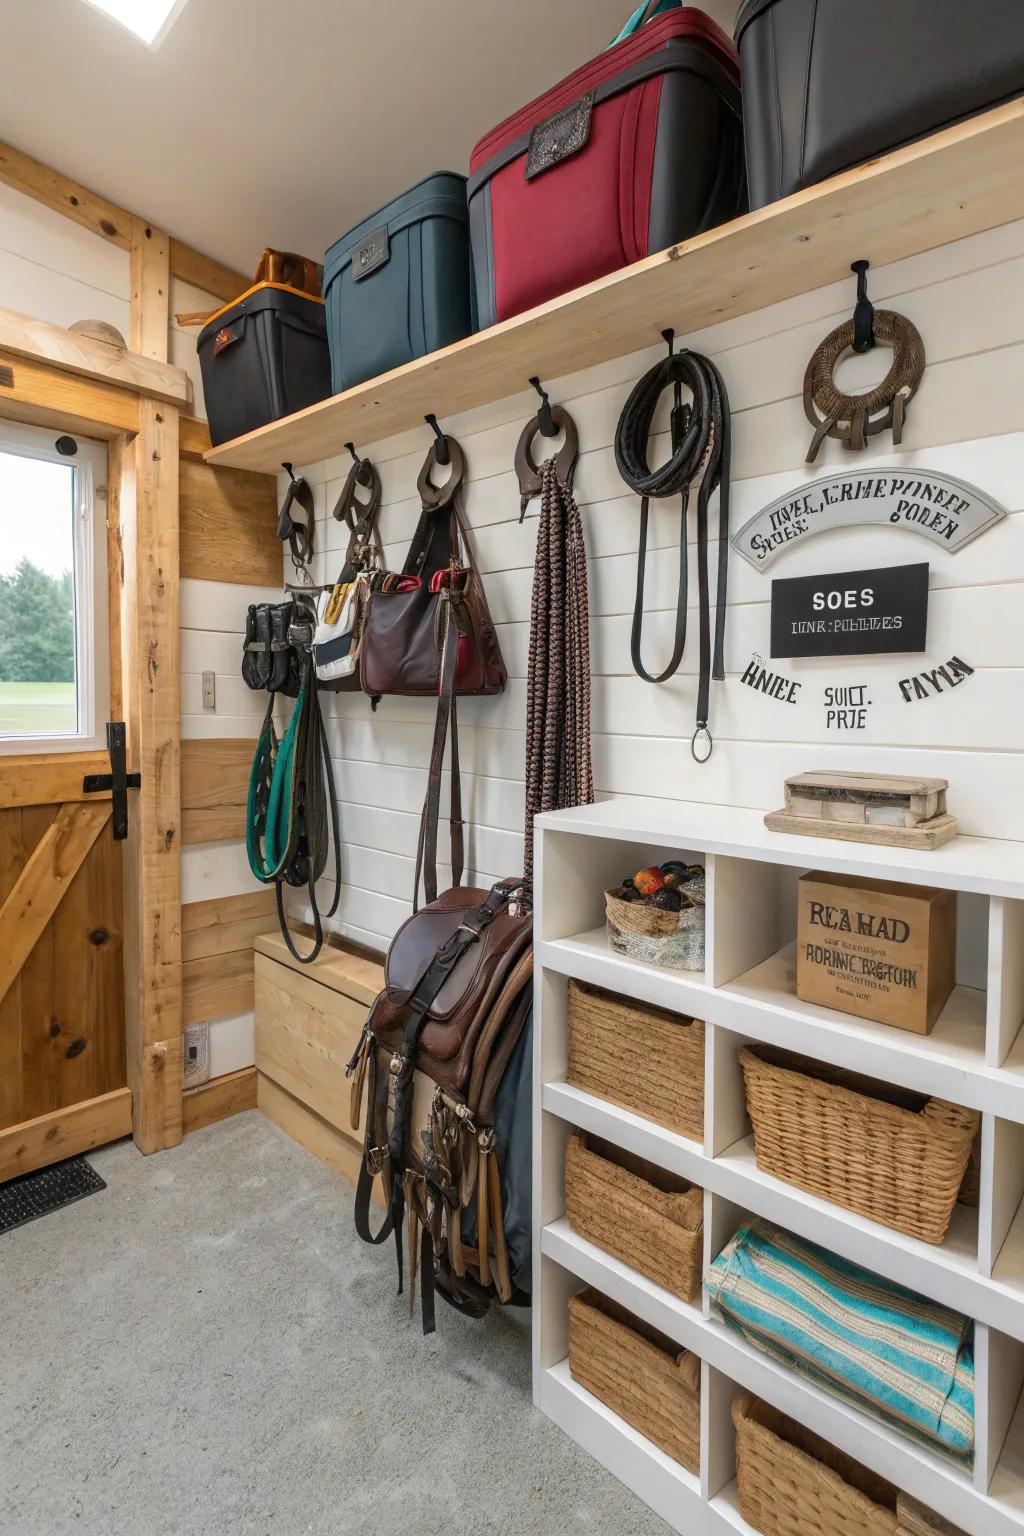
x: 205, y: 1348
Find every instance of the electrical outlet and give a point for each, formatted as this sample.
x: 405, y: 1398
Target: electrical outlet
x: 195, y: 1057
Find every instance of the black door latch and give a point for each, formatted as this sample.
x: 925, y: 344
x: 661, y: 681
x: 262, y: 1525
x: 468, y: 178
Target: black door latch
x: 118, y: 780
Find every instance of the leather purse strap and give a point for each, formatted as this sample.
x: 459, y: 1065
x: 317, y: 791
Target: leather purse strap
x: 450, y: 609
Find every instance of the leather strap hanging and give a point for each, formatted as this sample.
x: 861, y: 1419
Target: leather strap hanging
x: 360, y: 516
x: 559, y: 772
x: 452, y: 620
x: 701, y: 451
x: 296, y: 523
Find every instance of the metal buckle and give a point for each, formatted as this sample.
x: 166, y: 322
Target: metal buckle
x: 376, y: 1158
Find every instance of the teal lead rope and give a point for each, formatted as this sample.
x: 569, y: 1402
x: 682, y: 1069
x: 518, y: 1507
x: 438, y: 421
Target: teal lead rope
x: 291, y: 808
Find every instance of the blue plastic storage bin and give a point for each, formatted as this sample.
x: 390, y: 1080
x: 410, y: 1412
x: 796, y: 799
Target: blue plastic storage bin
x: 397, y: 286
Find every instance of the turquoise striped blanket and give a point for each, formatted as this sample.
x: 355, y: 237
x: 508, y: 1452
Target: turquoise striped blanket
x: 878, y: 1346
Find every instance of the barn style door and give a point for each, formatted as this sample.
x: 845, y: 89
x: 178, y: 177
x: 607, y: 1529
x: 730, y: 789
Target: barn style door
x: 63, y: 1082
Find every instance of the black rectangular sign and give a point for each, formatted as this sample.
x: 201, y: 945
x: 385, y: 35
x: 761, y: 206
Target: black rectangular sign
x: 854, y: 613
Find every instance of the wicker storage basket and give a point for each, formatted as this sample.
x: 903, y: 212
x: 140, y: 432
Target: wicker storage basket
x: 643, y: 1058
x: 894, y: 1156
x: 789, y: 1482
x: 639, y: 1374
x: 651, y: 1220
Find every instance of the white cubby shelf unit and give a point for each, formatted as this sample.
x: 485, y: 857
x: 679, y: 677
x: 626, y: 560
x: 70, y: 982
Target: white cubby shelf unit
x: 747, y: 992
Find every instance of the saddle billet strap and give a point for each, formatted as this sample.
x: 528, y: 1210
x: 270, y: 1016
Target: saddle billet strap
x: 392, y: 1223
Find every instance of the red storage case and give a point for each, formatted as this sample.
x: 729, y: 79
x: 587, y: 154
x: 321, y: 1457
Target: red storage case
x: 636, y: 151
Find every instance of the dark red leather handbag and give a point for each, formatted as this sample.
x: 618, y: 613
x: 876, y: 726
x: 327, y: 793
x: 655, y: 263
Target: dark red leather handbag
x: 402, y: 640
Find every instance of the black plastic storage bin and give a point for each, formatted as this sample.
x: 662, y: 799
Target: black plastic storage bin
x: 828, y: 84
x: 397, y: 286
x: 262, y: 357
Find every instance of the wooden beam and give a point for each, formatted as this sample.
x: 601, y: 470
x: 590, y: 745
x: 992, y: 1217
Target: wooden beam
x: 232, y: 1094
x: 152, y: 705
x: 151, y: 291
x: 207, y: 274
x: 217, y: 987
x: 194, y: 437
x: 49, y: 778
x: 213, y: 824
x: 65, y: 1133
x: 65, y: 196
x: 215, y: 771
x: 229, y: 526
x: 214, y: 787
x: 45, y: 396
x: 226, y: 923
x: 48, y: 871
x: 110, y: 222
x: 87, y: 358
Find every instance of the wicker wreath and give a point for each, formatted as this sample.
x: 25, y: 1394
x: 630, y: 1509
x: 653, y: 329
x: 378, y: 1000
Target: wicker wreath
x: 854, y: 418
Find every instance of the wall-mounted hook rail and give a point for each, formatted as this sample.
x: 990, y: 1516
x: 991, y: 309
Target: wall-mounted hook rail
x: 544, y: 417
x: 864, y: 313
x: 442, y: 441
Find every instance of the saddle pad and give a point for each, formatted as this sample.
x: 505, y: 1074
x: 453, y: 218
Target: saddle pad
x: 880, y: 1347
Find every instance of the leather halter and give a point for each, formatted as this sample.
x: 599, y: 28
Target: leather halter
x: 527, y: 472
x: 434, y: 497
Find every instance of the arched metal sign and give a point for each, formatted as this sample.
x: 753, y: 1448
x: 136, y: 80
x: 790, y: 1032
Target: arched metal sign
x: 947, y: 511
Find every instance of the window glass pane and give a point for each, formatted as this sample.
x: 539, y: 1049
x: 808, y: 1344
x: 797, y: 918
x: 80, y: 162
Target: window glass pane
x: 38, y: 695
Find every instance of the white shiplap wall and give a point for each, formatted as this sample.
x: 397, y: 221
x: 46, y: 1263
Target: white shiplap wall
x: 968, y: 420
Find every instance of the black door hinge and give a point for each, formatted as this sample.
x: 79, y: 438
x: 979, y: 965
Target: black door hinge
x: 118, y: 781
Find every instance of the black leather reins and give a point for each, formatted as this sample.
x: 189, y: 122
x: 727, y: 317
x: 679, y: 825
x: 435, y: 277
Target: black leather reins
x: 700, y: 453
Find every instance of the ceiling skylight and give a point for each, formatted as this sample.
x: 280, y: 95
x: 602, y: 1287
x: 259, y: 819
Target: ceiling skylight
x: 148, y: 20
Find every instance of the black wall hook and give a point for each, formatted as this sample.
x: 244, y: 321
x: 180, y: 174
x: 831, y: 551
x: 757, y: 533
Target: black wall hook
x: 355, y: 457
x: 289, y: 472
x: 544, y: 417
x: 669, y: 338
x: 864, y: 313
x: 442, y: 441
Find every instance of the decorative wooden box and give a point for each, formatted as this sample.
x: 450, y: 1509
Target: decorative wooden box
x: 876, y: 949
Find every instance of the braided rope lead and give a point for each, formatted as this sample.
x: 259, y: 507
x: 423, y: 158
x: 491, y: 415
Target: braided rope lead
x: 559, y: 771
x: 854, y: 418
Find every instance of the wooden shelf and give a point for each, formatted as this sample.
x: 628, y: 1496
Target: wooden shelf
x: 953, y: 184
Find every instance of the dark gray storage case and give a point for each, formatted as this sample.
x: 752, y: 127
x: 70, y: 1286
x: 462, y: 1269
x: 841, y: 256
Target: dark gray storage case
x: 828, y: 84
x: 397, y: 286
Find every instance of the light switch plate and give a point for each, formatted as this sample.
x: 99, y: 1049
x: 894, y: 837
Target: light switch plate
x: 195, y: 1056
x: 209, y: 690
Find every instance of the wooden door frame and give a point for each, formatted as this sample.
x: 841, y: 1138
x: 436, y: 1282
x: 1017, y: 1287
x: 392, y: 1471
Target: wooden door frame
x: 130, y: 403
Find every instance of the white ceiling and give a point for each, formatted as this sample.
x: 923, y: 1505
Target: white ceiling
x: 281, y: 122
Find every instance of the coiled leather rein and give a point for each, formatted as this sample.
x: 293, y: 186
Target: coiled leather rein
x: 701, y: 449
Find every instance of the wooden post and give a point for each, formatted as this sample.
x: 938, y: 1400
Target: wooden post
x: 151, y: 692
x: 151, y: 290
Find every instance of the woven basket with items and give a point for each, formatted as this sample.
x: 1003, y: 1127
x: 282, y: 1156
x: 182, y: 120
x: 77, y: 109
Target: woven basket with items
x: 657, y: 915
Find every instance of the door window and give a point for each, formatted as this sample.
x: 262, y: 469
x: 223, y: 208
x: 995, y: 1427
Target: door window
x: 53, y: 592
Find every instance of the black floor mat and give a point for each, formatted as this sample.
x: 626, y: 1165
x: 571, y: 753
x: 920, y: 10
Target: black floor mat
x: 36, y: 1194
